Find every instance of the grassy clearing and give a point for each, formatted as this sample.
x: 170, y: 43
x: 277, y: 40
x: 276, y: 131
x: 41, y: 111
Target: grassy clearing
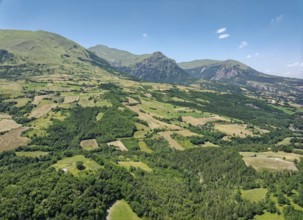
x: 144, y: 147
x: 118, y: 144
x: 285, y: 141
x: 286, y: 110
x: 8, y: 124
x: 90, y: 144
x: 269, y: 216
x: 31, y: 153
x: 20, y: 101
x: 99, y: 116
x: 270, y: 160
x: 183, y: 141
x: 121, y: 211
x: 12, y: 139
x: 130, y: 143
x: 254, y: 195
x: 69, y: 165
x: 39, y: 125
x: 141, y: 165
x: 209, y: 144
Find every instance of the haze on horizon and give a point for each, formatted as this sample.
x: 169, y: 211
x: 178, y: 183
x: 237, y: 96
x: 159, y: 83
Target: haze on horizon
x: 266, y: 35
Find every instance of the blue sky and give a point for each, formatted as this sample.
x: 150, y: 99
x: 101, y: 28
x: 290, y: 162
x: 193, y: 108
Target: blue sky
x: 265, y: 34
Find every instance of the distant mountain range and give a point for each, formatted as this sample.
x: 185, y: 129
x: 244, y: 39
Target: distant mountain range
x: 154, y: 67
x: 28, y: 53
x: 157, y: 67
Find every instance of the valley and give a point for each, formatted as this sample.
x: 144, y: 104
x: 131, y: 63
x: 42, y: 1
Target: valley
x: 83, y: 140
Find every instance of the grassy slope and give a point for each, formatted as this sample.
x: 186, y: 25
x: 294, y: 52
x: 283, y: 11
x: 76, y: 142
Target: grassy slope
x: 122, y: 211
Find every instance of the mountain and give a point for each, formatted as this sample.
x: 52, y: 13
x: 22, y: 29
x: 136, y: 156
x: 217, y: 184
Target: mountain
x: 154, y: 67
x: 38, y: 52
x: 236, y: 73
x: 117, y: 58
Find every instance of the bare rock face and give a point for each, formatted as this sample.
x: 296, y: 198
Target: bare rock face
x: 224, y: 73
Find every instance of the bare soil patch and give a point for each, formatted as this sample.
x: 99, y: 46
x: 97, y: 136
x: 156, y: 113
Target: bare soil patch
x: 12, y: 139
x: 8, y: 124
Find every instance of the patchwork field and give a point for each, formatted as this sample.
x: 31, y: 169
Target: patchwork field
x: 152, y: 122
x: 254, y: 195
x: 129, y: 164
x: 270, y: 160
x: 69, y: 165
x: 41, y: 110
x: 8, y: 124
x: 118, y: 144
x: 172, y: 143
x: 31, y: 153
x: 13, y: 139
x: 238, y: 130
x: 121, y: 211
x: 202, y: 121
x: 70, y: 99
x: 89, y: 144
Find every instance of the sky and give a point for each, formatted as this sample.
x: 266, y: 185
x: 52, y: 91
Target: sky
x: 264, y: 34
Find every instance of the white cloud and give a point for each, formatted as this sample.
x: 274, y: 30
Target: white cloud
x: 257, y: 54
x: 223, y: 36
x: 221, y: 30
x: 145, y: 35
x: 294, y: 64
x: 243, y: 44
x: 248, y: 56
x: 277, y: 19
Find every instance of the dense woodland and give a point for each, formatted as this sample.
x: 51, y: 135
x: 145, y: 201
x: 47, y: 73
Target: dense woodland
x: 197, y: 183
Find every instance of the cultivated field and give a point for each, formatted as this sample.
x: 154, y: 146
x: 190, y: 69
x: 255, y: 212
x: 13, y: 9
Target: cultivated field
x: 202, y: 121
x: 8, y: 124
x: 270, y: 160
x: 12, y: 139
x: 70, y: 99
x: 129, y: 164
x: 42, y: 110
x: 121, y: 211
x: 69, y: 165
x: 118, y: 144
x: 238, y: 130
x: 89, y: 144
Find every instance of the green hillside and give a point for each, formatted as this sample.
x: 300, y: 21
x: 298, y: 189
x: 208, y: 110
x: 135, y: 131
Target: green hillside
x: 82, y: 142
x: 38, y: 52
